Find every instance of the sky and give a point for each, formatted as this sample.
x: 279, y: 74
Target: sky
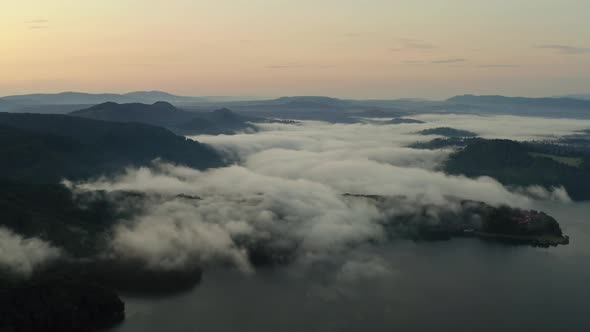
x: 372, y: 49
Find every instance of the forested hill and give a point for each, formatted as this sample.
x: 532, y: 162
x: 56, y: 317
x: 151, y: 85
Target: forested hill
x: 514, y: 163
x: 158, y: 114
x: 222, y: 121
x: 43, y: 148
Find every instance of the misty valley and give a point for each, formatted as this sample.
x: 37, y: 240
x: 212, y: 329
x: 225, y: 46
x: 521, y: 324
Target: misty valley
x: 153, y: 216
x: 289, y: 166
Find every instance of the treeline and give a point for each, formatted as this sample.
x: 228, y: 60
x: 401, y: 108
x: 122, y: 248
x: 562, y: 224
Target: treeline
x: 512, y: 164
x: 38, y: 148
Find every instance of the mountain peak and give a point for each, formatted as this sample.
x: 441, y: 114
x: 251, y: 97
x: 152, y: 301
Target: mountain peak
x: 108, y: 104
x: 163, y: 105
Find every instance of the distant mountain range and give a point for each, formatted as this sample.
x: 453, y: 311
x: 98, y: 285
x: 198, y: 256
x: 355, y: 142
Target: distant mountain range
x: 309, y: 107
x: 544, y: 107
x: 578, y: 96
x: 69, y: 101
x: 521, y: 101
x: 79, y: 98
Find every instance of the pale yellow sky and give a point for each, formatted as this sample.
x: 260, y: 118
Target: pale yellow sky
x: 357, y: 49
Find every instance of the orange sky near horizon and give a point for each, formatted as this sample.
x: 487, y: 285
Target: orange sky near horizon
x: 352, y: 49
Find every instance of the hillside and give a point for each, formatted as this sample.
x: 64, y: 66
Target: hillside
x: 511, y: 163
x: 59, y: 305
x: 46, y: 148
x: 158, y: 114
x: 221, y: 121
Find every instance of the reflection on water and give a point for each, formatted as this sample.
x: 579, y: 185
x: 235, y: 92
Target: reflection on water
x: 460, y: 285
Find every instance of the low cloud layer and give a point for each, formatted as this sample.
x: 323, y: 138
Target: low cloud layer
x: 285, y: 192
x: 237, y: 208
x: 21, y: 256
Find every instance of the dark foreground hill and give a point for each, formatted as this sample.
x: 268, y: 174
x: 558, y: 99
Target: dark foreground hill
x: 222, y: 121
x: 80, y: 225
x: 59, y: 305
x: 47, y: 148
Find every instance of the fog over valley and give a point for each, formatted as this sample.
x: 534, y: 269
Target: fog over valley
x: 285, y: 188
x: 329, y: 206
x: 294, y: 166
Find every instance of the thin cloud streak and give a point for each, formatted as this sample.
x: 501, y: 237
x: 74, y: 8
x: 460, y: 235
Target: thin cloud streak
x: 413, y: 44
x: 37, y: 21
x: 413, y: 62
x: 499, y: 66
x: 445, y: 61
x: 298, y: 65
x: 565, y: 49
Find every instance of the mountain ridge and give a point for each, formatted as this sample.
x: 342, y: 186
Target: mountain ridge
x: 164, y: 114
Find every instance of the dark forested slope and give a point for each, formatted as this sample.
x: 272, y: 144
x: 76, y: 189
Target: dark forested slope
x: 48, y: 148
x: 512, y: 163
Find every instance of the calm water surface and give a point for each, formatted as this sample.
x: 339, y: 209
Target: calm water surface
x: 460, y: 285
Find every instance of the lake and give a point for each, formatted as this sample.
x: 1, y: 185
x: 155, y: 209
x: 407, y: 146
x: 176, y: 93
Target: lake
x: 458, y: 285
